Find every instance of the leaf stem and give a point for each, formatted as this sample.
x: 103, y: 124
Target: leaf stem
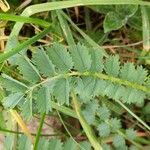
x: 88, y: 130
x: 134, y: 115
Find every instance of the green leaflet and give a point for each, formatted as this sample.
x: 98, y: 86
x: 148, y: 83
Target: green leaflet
x: 103, y: 113
x: 115, y: 124
x: 89, y: 117
x: 70, y: 144
x: 86, y: 145
x: 97, y: 60
x: 90, y: 110
x: 55, y: 144
x: 27, y: 69
x: 112, y: 65
x: 140, y: 75
x: 13, y: 99
x: 118, y: 141
x: 43, y: 100
x: 118, y: 92
x: 61, y: 91
x: 60, y: 57
x: 133, y: 96
x: 131, y: 134
x: 106, y: 147
x: 43, y: 97
x: 89, y: 85
x: 43, y: 63
x: 43, y: 144
x: 130, y: 73
x: 81, y: 57
x: 26, y: 109
x: 11, y: 84
x: 24, y: 143
x: 104, y: 129
x: 9, y: 142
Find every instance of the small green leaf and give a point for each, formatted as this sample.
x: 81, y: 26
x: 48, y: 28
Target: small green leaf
x: 89, y: 116
x: 55, y: 144
x: 113, y: 22
x: 90, y: 87
x: 11, y: 84
x: 85, y: 145
x: 13, y: 99
x: 24, y: 143
x: 70, y: 144
x: 115, y: 124
x: 103, y: 112
x: 133, y: 96
x: 81, y: 57
x: 43, y: 144
x: 97, y: 60
x: 61, y: 91
x: 43, y: 97
x: 43, y: 63
x: 60, y: 57
x: 131, y: 134
x: 141, y: 75
x: 26, y: 109
x: 106, y: 147
x: 90, y: 110
x: 27, y: 69
x: 128, y: 72
x: 118, y: 141
x: 112, y: 65
x: 43, y: 100
x: 104, y: 129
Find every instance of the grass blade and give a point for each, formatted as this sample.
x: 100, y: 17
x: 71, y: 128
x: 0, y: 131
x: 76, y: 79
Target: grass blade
x: 24, y: 19
x: 23, y: 45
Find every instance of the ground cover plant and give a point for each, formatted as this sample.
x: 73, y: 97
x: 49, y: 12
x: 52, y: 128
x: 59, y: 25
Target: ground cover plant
x: 83, y: 63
